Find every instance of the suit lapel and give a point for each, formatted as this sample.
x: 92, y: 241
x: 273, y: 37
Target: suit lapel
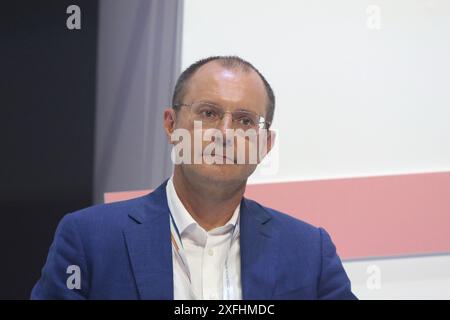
x: 258, y: 252
x: 149, y: 247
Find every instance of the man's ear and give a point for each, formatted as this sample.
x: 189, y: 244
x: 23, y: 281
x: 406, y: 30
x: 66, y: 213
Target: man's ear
x: 269, y: 141
x: 169, y: 122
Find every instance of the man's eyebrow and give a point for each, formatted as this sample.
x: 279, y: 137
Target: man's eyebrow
x: 206, y: 101
x: 241, y: 108
x: 245, y: 110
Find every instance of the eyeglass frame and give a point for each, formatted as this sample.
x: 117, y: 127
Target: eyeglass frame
x: 266, y: 124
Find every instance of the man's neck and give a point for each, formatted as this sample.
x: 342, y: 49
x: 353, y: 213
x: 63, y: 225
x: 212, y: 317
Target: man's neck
x: 212, y: 205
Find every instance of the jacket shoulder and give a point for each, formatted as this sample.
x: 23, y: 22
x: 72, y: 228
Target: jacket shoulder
x: 115, y: 213
x: 288, y: 224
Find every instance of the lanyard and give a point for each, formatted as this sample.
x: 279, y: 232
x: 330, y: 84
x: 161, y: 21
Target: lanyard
x: 177, y: 246
x: 228, y: 290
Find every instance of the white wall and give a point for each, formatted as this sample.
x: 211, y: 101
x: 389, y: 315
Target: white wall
x: 351, y: 101
x: 401, y: 278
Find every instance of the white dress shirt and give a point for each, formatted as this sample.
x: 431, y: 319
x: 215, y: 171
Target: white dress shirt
x: 205, y: 252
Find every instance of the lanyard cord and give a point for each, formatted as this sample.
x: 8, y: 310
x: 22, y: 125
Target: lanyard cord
x: 177, y: 244
x: 227, y: 287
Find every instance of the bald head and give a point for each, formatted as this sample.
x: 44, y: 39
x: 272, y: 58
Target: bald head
x: 230, y: 66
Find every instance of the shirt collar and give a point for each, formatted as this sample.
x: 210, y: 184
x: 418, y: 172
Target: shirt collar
x: 183, y: 218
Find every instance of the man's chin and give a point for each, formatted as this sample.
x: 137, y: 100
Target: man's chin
x: 220, y: 173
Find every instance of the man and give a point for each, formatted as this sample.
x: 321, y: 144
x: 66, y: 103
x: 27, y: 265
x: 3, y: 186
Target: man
x: 196, y: 236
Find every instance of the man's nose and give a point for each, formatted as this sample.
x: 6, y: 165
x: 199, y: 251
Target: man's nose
x: 226, y: 122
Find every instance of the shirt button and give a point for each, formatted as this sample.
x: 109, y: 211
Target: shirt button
x: 210, y: 252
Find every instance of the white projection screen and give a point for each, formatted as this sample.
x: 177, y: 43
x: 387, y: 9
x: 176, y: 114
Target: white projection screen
x: 362, y: 101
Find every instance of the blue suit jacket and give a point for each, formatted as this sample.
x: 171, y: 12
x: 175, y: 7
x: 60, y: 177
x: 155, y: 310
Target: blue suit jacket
x: 124, y: 251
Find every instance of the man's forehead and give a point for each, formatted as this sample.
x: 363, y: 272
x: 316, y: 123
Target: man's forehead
x: 215, y: 70
x: 228, y: 74
x: 215, y: 77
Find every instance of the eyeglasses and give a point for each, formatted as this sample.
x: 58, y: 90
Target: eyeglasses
x: 211, y: 114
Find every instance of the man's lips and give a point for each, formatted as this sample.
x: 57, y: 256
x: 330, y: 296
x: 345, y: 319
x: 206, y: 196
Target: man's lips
x: 224, y: 157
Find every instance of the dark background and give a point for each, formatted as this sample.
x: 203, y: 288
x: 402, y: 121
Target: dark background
x: 47, y: 98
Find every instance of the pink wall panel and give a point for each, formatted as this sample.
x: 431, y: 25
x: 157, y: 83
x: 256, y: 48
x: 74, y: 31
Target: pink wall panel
x: 367, y: 217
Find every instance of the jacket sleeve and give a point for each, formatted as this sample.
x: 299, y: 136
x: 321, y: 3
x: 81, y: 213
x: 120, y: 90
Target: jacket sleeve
x: 64, y: 275
x: 333, y: 281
